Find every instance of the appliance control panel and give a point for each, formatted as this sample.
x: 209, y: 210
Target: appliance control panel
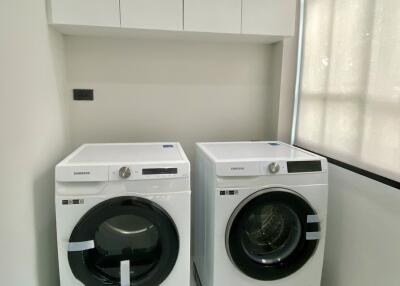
x: 270, y: 168
x: 139, y: 172
x: 292, y: 167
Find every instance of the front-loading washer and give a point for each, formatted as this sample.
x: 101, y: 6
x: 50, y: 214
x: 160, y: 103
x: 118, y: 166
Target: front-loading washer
x: 123, y: 215
x: 259, y: 214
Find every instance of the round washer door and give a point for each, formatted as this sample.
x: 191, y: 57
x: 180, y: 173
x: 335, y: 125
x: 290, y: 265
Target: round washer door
x: 272, y: 234
x: 124, y: 239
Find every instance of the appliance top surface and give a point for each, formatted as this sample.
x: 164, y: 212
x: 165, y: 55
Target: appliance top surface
x: 126, y: 153
x: 254, y: 151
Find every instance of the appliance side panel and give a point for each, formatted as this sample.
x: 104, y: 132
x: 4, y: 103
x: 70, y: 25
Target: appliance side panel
x: 204, y: 187
x: 210, y: 213
x: 198, y: 211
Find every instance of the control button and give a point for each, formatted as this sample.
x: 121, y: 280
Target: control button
x: 274, y: 167
x: 124, y: 172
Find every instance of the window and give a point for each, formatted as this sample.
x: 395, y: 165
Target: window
x: 350, y: 85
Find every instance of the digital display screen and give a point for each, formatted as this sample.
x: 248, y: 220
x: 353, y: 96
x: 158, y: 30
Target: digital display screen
x: 304, y: 166
x: 159, y: 171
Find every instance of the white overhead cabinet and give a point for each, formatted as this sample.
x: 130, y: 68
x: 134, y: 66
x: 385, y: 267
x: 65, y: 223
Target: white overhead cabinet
x: 269, y: 17
x: 269, y: 20
x: 218, y: 16
x: 152, y: 14
x: 103, y: 13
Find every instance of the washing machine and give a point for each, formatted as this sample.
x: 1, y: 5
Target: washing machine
x: 260, y: 214
x: 123, y: 215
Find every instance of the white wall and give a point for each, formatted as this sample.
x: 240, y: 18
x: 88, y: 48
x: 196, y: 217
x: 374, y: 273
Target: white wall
x: 363, y: 236
x: 157, y: 90
x: 287, y: 50
x: 33, y: 138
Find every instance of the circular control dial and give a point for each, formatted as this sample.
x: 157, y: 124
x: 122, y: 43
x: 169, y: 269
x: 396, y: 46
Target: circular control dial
x: 274, y: 167
x: 124, y: 172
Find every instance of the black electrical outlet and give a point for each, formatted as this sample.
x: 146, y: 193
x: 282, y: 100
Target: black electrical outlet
x: 83, y: 94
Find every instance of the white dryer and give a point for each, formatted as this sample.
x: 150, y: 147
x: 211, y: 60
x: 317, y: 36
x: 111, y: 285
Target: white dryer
x: 260, y: 214
x: 123, y: 215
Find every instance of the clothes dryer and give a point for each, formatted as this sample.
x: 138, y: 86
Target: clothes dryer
x: 123, y: 215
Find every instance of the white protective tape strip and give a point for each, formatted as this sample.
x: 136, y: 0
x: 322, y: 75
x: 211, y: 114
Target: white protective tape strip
x: 125, y: 273
x: 313, y: 235
x: 80, y: 246
x: 312, y: 219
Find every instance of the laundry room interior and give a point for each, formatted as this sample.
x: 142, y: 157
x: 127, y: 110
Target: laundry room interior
x: 323, y: 77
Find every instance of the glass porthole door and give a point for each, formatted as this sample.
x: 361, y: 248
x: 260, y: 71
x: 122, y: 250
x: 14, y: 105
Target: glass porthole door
x: 124, y: 241
x: 272, y: 234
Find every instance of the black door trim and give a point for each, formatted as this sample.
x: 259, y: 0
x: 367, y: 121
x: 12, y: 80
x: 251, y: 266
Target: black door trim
x: 89, y: 223
x: 304, y: 250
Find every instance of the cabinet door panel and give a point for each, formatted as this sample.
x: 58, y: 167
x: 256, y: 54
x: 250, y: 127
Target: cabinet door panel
x: 220, y: 16
x: 269, y: 17
x: 86, y: 12
x: 152, y: 14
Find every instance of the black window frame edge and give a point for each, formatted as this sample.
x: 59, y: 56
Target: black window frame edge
x: 357, y: 170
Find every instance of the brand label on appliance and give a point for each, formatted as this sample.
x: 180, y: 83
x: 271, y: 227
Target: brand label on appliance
x: 82, y: 173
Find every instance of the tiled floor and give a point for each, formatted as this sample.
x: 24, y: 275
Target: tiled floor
x: 192, y: 282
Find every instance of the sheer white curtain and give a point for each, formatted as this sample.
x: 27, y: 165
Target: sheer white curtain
x: 350, y: 89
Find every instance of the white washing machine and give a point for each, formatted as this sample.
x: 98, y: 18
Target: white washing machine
x: 123, y: 215
x: 260, y: 214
